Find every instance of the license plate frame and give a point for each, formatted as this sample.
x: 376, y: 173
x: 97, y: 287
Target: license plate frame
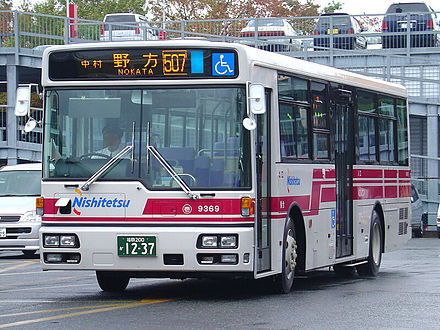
x: 2, y: 232
x: 136, y: 245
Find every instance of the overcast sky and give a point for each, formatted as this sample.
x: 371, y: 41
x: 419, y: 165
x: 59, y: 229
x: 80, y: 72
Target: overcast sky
x: 352, y: 7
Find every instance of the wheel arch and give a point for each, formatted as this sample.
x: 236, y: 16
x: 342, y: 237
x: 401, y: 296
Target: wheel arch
x: 297, y: 217
x: 378, y: 208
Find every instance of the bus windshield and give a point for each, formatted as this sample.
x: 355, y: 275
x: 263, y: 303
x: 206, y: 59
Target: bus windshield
x: 198, y: 131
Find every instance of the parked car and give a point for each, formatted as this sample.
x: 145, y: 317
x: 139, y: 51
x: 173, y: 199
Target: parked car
x: 421, y: 20
x: 127, y: 27
x: 19, y: 223
x: 346, y: 31
x: 416, y: 213
x: 274, y: 32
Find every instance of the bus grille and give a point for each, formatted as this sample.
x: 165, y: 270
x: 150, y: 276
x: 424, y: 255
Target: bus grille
x: 403, y: 228
x: 9, y: 218
x: 403, y: 213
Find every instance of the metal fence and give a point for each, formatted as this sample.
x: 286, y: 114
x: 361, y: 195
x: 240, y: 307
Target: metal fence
x: 408, y: 56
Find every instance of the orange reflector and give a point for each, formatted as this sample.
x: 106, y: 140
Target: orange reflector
x: 39, y: 202
x: 247, y: 206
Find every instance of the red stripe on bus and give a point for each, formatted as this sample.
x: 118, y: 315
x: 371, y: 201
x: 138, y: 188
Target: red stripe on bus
x: 367, y: 174
x: 188, y: 207
x: 148, y: 219
x: 328, y: 195
x: 362, y: 193
x: 390, y: 174
x: 391, y: 192
x: 404, y: 174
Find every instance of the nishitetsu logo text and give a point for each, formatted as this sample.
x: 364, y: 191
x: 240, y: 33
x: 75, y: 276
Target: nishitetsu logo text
x: 94, y: 202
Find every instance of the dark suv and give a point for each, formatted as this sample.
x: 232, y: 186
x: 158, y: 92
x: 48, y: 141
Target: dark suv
x: 417, y: 18
x: 344, y: 28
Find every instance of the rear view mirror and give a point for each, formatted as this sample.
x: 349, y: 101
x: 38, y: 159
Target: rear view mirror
x: 257, y: 99
x: 23, y: 102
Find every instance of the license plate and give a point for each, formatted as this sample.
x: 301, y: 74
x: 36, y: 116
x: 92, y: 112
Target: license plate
x: 136, y: 246
x: 2, y: 232
x: 405, y: 25
x: 335, y: 31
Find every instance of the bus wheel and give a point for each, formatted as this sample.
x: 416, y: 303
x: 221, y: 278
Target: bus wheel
x: 112, y: 281
x: 284, y: 281
x: 371, y: 267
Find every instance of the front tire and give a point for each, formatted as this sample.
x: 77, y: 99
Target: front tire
x: 371, y: 267
x: 283, y: 282
x: 112, y: 281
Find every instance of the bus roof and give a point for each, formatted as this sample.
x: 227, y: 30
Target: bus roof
x: 255, y: 57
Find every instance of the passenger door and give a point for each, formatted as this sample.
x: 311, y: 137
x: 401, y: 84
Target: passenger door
x: 344, y: 159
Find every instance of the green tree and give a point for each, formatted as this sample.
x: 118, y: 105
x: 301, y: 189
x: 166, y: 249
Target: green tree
x: 87, y: 9
x: 332, y: 7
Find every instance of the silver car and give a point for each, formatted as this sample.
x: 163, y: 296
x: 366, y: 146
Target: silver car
x: 126, y: 27
x: 416, y: 213
x: 19, y: 223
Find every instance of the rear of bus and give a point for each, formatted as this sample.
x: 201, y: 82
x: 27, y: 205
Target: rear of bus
x: 177, y: 199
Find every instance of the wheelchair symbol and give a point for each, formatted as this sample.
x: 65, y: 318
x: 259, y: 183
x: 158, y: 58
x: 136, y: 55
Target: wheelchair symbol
x: 222, y: 67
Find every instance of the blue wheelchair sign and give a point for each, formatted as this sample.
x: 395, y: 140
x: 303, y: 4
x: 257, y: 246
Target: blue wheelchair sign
x: 223, y: 64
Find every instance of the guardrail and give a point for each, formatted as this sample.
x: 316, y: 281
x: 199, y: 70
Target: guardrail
x: 30, y: 30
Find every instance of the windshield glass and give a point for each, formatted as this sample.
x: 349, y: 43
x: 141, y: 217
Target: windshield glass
x: 198, y: 131
x: 20, y: 183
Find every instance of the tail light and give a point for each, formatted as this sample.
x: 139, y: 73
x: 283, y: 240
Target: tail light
x: 102, y: 29
x: 316, y: 33
x: 429, y: 25
x: 247, y: 206
x: 162, y: 35
x: 247, y: 34
x: 271, y: 33
x: 350, y: 31
x: 384, y: 26
x: 137, y: 30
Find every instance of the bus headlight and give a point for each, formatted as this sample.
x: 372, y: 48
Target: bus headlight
x: 209, y: 241
x: 67, y: 241
x: 51, y: 241
x: 229, y: 241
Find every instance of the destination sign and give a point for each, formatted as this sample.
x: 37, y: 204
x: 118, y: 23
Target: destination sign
x: 143, y: 63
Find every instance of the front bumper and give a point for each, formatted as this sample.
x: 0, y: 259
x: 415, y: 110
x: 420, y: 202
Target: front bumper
x: 20, y: 236
x: 98, y: 250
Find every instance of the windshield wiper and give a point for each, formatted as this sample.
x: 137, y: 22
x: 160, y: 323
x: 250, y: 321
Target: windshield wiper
x: 176, y: 177
x: 111, y: 162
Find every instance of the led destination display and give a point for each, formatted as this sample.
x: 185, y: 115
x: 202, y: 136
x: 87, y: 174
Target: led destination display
x: 143, y: 63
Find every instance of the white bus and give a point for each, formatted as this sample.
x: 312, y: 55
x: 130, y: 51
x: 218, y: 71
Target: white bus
x: 233, y: 162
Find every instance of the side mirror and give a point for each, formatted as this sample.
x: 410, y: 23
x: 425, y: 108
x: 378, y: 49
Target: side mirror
x: 23, y: 102
x: 257, y: 99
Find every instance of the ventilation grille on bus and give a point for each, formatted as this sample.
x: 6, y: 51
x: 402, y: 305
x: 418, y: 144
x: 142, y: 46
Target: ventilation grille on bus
x: 403, y: 228
x: 403, y: 213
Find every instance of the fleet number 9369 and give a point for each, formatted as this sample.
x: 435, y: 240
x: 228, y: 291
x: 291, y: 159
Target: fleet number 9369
x: 208, y: 208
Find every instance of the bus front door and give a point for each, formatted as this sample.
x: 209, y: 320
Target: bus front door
x: 262, y: 212
x: 343, y: 148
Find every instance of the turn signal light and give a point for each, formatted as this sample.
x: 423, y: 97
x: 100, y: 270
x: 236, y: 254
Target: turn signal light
x: 39, y: 204
x: 247, y: 206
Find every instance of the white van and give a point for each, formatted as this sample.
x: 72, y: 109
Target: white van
x: 127, y: 27
x: 19, y: 223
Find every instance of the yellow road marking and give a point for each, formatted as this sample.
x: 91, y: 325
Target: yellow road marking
x: 42, y: 281
x: 47, y: 287
x: 91, y: 311
x: 27, y: 263
x: 57, y: 310
x: 18, y: 262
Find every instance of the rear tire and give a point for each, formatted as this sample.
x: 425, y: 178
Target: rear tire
x: 371, y: 268
x: 283, y: 282
x: 112, y: 281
